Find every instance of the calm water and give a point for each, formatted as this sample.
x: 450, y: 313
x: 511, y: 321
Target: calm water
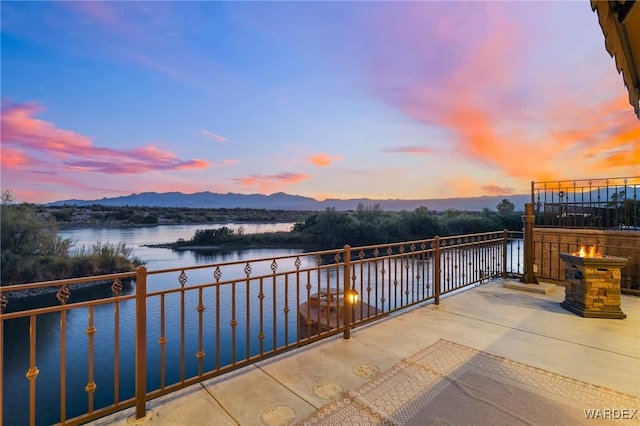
x: 158, y: 258
x: 16, y: 342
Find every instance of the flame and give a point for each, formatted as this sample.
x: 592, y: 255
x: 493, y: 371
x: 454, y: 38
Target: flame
x: 591, y: 251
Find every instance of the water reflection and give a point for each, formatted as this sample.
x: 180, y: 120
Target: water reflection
x: 49, y: 340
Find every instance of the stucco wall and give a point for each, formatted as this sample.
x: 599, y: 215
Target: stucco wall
x: 550, y: 242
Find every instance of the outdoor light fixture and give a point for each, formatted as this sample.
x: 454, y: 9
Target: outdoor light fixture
x: 352, y: 297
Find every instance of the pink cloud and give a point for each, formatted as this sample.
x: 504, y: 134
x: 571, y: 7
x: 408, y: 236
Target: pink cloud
x: 110, y: 15
x: 551, y: 128
x: 98, y: 11
x: 496, y: 190
x: 268, y: 183
x: 225, y: 163
x: 408, y: 150
x: 13, y: 158
x: 24, y: 133
x: 213, y: 136
x: 323, y: 160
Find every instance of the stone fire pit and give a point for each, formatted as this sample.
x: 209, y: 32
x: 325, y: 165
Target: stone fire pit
x: 593, y: 285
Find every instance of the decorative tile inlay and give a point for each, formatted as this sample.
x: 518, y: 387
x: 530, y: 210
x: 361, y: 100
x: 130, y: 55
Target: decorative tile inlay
x: 278, y: 415
x: 367, y: 371
x: 326, y: 390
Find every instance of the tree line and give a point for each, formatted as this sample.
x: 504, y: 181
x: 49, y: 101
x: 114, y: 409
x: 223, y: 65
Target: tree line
x: 367, y: 225
x: 31, y: 249
x: 101, y: 215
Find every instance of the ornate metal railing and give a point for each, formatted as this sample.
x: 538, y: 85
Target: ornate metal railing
x: 171, y: 328
x: 607, y: 203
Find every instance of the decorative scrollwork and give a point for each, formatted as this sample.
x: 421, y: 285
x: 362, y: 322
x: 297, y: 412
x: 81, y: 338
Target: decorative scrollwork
x: 247, y: 269
x: 337, y: 257
x: 298, y: 262
x: 217, y: 273
x: 274, y: 266
x: 3, y: 303
x: 401, y: 249
x: 376, y: 252
x: 116, y: 287
x: 32, y: 373
x: 63, y: 295
x: 182, y: 278
x: 91, y: 387
x: 361, y: 254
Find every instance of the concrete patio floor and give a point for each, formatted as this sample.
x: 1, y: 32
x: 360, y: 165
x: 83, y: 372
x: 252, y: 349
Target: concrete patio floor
x: 527, y: 327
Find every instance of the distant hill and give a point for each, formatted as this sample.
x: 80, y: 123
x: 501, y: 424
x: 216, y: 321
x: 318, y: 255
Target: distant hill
x: 282, y: 201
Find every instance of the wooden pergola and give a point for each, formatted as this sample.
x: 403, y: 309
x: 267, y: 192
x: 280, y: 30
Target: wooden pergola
x: 620, y: 23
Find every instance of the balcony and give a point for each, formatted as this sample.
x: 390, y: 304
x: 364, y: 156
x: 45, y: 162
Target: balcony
x: 238, y: 342
x: 525, y: 327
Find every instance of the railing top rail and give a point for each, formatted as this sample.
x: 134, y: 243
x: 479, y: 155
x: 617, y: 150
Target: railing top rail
x: 428, y: 240
x: 66, y: 282
x: 629, y: 180
x: 314, y: 254
x: 242, y: 262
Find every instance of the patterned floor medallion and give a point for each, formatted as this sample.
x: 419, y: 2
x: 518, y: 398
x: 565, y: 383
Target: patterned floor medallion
x: 326, y: 390
x: 278, y: 415
x: 366, y: 371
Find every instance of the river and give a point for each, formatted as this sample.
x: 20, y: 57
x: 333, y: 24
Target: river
x: 16, y: 341
x: 161, y: 258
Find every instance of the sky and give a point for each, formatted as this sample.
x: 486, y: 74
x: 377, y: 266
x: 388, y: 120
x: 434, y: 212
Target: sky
x: 407, y: 100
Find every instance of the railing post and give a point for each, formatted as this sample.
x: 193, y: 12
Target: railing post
x: 528, y: 219
x: 3, y: 305
x: 436, y: 269
x: 347, y: 289
x: 505, y: 247
x: 141, y: 342
x: 533, y: 189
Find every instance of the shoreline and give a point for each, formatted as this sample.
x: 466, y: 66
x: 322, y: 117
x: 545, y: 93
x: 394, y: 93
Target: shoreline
x: 71, y: 226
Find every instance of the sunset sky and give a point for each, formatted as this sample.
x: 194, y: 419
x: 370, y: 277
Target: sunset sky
x: 383, y: 100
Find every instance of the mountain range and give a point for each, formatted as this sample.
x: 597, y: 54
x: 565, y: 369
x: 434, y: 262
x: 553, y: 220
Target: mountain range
x: 282, y: 201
